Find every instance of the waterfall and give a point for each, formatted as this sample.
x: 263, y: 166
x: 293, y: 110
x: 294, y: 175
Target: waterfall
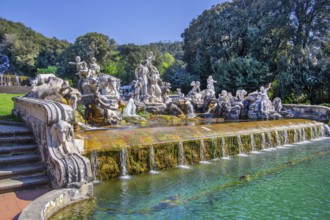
x: 215, y: 147
x: 286, y: 137
x: 278, y: 140
x: 123, y: 164
x: 295, y: 137
x: 253, y: 145
x: 313, y: 132
x: 152, y: 161
x: 94, y: 166
x: 240, y: 147
x: 202, y: 153
x: 326, y: 130
x: 302, y: 136
x: 270, y: 142
x: 182, y: 157
x: 223, y: 149
x: 263, y: 141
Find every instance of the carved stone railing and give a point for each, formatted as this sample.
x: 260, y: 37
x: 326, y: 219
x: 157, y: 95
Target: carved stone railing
x: 52, y: 125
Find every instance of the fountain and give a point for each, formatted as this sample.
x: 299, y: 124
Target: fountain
x: 123, y: 164
x: 202, y: 153
x: 118, y: 150
x: 152, y: 161
x: 182, y: 157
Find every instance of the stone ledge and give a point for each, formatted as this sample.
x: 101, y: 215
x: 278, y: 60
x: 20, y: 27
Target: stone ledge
x: 313, y: 112
x: 50, y: 203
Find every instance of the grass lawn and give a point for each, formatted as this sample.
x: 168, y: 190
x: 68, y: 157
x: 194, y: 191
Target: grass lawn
x: 6, y: 106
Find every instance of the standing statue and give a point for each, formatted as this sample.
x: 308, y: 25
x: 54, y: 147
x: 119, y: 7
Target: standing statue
x: 141, y: 75
x: 94, y: 68
x: 17, y: 80
x: 265, y: 103
x: 155, y: 91
x: 1, y: 79
x: 210, y: 83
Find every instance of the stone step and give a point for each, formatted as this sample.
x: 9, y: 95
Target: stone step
x: 19, y: 159
x: 14, y: 184
x: 25, y: 169
x: 17, y: 149
x: 16, y: 140
x: 10, y: 130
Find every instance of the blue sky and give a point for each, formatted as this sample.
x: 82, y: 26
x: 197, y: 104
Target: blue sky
x: 127, y: 21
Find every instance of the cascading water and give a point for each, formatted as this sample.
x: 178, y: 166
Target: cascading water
x: 302, y: 136
x: 296, y: 136
x: 202, y: 153
x: 313, y: 133
x: 123, y: 164
x: 263, y: 141
x: 270, y: 142
x: 277, y: 139
x: 285, y: 136
x: 94, y: 166
x: 182, y: 157
x: 253, y: 145
x: 223, y: 149
x: 325, y: 130
x: 215, y: 147
x: 152, y: 161
x: 241, y: 152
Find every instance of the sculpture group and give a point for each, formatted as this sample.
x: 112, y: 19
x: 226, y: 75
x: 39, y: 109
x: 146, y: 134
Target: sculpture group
x: 103, y: 103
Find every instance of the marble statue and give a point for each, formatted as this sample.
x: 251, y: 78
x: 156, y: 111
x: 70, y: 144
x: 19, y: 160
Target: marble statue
x: 17, y: 83
x: 148, y: 89
x: 94, y: 68
x: 141, y: 78
x: 210, y: 83
x: 195, y: 88
x: 57, y: 90
x: 41, y: 79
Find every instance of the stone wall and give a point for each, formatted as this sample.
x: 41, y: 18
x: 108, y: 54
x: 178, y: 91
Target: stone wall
x: 15, y: 89
x: 314, y: 112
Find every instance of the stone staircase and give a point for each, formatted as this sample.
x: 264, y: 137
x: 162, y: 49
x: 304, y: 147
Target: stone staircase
x: 20, y: 162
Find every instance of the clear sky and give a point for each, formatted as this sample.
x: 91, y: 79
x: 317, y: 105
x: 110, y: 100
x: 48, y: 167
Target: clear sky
x: 127, y: 21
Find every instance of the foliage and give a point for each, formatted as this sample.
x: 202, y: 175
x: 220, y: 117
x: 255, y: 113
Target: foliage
x: 240, y: 73
x: 178, y: 76
x: 49, y: 69
x: 87, y: 46
x: 6, y: 106
x: 266, y: 40
x: 173, y: 48
x: 27, y: 50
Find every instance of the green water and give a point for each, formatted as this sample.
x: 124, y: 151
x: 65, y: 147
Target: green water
x: 290, y: 183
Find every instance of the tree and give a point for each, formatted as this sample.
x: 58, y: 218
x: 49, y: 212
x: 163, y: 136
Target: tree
x: 259, y: 35
x: 87, y: 46
x: 178, y: 76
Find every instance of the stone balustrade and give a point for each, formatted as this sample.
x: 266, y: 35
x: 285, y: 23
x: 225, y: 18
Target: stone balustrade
x: 52, y: 125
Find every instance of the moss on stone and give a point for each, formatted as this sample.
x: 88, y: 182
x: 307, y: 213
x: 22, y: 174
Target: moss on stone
x: 192, y: 151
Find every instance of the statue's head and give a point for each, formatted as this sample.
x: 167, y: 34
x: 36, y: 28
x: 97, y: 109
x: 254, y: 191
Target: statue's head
x: 223, y: 92
x: 262, y: 88
x: 78, y: 59
x: 93, y: 60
